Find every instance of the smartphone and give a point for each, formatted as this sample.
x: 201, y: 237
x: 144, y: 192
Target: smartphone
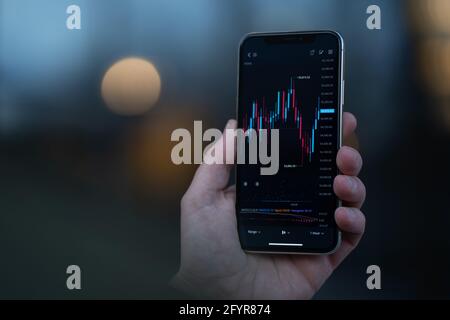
x: 292, y: 82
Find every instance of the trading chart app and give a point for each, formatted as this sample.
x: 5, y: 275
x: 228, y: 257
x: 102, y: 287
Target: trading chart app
x: 291, y: 83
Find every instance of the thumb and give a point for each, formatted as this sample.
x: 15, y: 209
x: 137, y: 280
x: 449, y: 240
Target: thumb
x: 211, y: 178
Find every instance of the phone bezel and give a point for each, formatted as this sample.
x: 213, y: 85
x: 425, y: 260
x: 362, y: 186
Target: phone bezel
x: 341, y: 107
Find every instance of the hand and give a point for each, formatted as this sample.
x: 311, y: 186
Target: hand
x: 212, y: 261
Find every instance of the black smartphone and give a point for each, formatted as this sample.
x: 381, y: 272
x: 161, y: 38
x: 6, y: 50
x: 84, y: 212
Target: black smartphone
x: 291, y: 83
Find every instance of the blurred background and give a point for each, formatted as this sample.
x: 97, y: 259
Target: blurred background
x: 86, y: 177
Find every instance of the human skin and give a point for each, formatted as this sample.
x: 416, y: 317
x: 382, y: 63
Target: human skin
x: 213, y: 263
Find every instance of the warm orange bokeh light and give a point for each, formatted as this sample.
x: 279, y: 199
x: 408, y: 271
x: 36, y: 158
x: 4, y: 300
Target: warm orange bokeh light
x: 147, y: 148
x: 131, y: 86
x: 434, y: 63
x: 430, y: 16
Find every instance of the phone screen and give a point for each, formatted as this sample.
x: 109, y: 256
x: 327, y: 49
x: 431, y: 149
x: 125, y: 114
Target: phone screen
x: 290, y: 82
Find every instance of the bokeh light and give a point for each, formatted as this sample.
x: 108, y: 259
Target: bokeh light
x: 434, y: 62
x: 147, y: 151
x: 131, y: 86
x: 431, y: 15
x: 431, y: 23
